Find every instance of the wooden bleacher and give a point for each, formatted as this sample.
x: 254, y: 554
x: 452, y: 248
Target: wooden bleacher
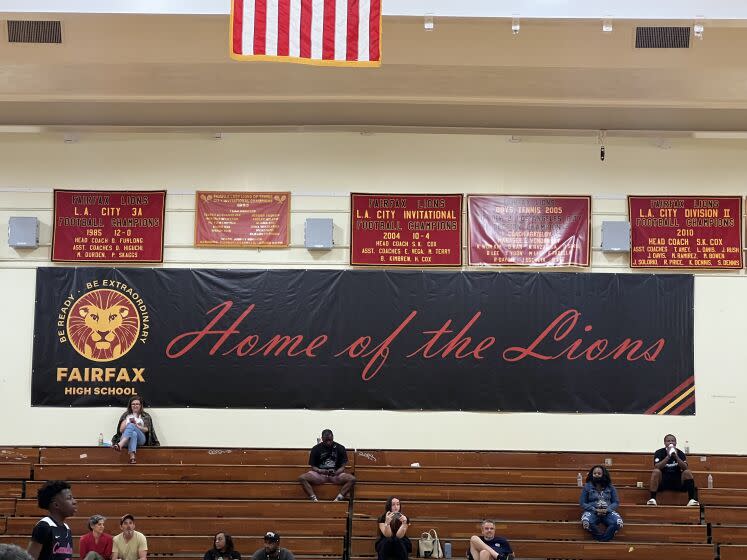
x: 182, y: 497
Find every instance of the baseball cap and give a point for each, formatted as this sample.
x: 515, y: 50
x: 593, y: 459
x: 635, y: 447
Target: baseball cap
x: 271, y: 536
x: 127, y: 516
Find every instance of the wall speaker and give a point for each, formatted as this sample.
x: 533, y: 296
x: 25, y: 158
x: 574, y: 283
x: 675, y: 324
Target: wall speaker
x: 23, y: 232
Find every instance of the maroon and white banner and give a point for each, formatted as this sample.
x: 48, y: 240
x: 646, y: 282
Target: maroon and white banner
x: 242, y: 219
x: 108, y: 226
x: 686, y: 231
x: 420, y: 230
x: 510, y: 230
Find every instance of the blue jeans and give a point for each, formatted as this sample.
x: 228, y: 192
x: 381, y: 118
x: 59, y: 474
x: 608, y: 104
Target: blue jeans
x: 136, y: 437
x: 612, y: 521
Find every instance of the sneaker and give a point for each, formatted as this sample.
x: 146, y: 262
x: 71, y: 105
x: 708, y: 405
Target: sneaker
x: 652, y: 502
x: 313, y: 498
x: 693, y: 503
x: 339, y: 498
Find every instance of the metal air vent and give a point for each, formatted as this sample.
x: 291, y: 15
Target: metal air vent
x: 662, y: 37
x: 34, y: 31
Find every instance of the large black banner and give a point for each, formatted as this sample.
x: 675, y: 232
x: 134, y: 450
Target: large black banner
x: 328, y: 339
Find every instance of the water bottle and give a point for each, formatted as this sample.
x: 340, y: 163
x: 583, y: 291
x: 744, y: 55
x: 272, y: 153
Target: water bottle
x: 447, y: 549
x: 579, y: 480
x: 687, y: 447
x: 101, y: 439
x: 710, y: 480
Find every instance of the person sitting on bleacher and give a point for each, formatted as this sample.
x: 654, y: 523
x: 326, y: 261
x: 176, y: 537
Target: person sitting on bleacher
x: 599, y: 502
x: 51, y: 538
x: 393, y: 542
x: 327, y: 460
x: 129, y: 544
x: 95, y: 545
x: 271, y: 549
x: 487, y: 546
x: 134, y: 428
x: 222, y: 548
x: 671, y: 472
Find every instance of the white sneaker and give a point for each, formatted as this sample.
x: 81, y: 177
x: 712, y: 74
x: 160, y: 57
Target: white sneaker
x: 652, y: 502
x: 693, y: 503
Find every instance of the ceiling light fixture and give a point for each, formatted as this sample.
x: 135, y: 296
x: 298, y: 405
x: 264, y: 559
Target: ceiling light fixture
x: 515, y: 25
x: 698, y: 29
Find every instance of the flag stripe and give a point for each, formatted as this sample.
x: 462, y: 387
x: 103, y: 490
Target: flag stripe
x: 374, y: 30
x: 271, y: 27
x: 238, y: 23
x: 328, y: 32
x: 352, y: 31
x: 334, y: 32
x: 317, y: 28
x: 283, y: 27
x: 365, y: 12
x: 260, y: 26
x: 306, y: 7
x: 294, y: 35
x: 247, y: 37
x: 341, y: 29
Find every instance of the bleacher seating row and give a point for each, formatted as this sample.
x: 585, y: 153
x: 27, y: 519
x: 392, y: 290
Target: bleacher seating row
x: 181, y: 497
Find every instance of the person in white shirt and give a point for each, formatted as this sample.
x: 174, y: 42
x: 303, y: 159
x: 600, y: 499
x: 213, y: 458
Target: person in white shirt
x: 135, y: 429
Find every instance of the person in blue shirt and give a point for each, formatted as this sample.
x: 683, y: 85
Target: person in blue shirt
x: 599, y: 503
x: 487, y: 546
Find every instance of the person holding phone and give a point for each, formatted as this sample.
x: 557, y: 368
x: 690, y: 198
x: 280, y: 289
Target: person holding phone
x: 393, y: 542
x: 135, y: 428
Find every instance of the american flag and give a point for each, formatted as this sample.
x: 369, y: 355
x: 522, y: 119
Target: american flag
x: 322, y: 32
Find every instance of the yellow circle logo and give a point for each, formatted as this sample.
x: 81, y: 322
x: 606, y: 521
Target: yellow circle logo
x: 103, y: 325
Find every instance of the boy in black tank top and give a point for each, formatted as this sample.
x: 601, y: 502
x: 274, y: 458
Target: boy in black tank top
x: 51, y: 538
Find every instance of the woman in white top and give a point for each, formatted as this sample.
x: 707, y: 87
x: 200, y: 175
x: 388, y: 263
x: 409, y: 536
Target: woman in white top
x: 135, y: 429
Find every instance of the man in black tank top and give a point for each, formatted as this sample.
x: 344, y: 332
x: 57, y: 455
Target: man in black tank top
x: 51, y: 538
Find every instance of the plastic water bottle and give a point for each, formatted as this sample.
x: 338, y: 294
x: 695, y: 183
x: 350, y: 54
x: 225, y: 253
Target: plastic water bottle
x: 687, y: 447
x: 710, y: 480
x: 447, y: 549
x: 579, y: 480
x: 101, y: 439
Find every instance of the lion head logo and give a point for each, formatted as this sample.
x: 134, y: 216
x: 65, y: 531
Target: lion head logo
x: 103, y: 325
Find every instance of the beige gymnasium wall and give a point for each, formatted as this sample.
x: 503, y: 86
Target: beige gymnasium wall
x: 320, y: 169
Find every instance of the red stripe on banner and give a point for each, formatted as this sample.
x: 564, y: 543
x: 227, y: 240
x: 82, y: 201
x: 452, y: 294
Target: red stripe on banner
x: 689, y: 381
x: 328, y: 31
x: 305, y: 46
x: 683, y: 406
x: 353, y: 17
x: 284, y: 16
x: 238, y: 25
x: 374, y: 31
x: 260, y: 26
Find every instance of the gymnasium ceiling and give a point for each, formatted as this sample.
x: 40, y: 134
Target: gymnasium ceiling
x: 173, y: 71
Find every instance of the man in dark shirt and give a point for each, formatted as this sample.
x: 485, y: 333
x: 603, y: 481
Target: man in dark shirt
x: 487, y: 546
x: 272, y: 550
x: 327, y: 460
x: 51, y: 538
x: 671, y: 472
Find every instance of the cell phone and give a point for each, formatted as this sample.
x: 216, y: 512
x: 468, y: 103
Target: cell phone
x: 132, y: 420
x: 397, y: 514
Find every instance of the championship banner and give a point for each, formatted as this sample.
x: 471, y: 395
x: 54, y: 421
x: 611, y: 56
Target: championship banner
x: 108, y: 226
x: 508, y: 230
x: 242, y: 219
x: 406, y: 230
x: 686, y: 231
x: 355, y: 339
